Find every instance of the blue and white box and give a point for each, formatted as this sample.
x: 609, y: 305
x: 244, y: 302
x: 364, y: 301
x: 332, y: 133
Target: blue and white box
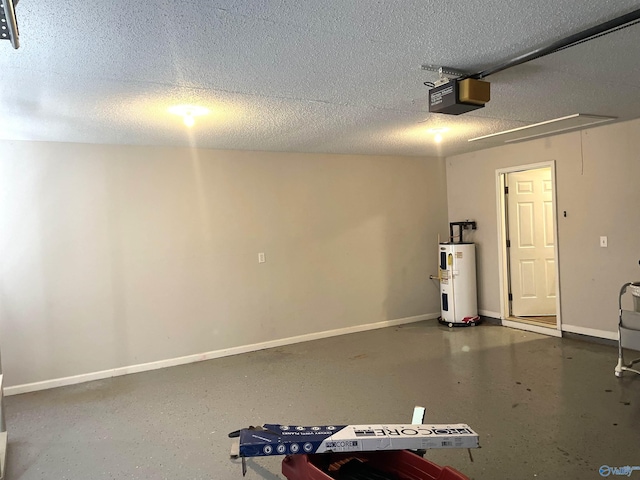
x: 273, y: 439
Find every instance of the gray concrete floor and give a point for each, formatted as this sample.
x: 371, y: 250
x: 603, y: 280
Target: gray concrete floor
x: 545, y: 408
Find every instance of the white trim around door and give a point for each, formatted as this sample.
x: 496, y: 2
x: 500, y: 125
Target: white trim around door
x: 505, y: 313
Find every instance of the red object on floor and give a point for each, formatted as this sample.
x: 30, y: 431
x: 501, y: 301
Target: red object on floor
x: 404, y: 464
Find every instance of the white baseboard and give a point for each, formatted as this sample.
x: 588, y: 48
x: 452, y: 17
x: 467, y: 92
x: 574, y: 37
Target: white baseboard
x: 592, y: 332
x: 199, y: 357
x: 488, y: 313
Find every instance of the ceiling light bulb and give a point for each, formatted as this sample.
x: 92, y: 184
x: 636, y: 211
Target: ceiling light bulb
x: 189, y: 113
x: 189, y: 121
x: 438, y: 138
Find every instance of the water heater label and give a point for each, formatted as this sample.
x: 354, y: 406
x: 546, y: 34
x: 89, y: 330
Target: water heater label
x: 458, y: 254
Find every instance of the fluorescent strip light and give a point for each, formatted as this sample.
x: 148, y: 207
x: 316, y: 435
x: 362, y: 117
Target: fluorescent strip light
x: 543, y: 129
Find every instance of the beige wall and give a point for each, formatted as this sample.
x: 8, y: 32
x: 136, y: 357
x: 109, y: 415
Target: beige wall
x: 598, y: 185
x: 115, y: 255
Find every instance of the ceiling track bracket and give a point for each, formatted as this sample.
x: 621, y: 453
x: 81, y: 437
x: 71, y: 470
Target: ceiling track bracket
x: 444, y: 71
x: 8, y: 23
x: 445, y: 74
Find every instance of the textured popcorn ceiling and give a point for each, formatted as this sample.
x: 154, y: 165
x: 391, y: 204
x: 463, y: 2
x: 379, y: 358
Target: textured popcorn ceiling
x: 338, y: 76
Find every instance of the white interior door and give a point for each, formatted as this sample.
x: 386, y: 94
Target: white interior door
x: 532, y: 243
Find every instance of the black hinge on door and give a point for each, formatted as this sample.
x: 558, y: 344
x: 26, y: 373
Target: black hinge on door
x: 511, y: 297
x: 508, y: 243
x: 506, y: 189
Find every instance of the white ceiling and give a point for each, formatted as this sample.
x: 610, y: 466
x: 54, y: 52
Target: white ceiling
x: 336, y: 76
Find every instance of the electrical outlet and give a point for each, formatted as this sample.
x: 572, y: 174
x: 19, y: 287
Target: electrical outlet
x: 603, y: 241
x: 261, y: 258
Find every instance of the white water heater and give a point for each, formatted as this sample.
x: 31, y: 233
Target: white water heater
x: 458, y: 295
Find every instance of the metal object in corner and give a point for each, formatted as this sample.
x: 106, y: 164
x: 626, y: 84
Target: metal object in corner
x: 8, y: 14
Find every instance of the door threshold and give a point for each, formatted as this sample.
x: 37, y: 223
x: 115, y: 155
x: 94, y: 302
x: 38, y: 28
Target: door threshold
x: 544, y: 329
x: 530, y: 321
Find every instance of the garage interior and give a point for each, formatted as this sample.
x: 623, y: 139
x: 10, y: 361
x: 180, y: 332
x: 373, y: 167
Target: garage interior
x: 265, y: 254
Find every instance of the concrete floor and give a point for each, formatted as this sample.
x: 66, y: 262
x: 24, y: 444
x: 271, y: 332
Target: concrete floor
x: 545, y: 408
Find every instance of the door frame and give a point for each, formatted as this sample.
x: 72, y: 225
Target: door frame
x: 502, y: 250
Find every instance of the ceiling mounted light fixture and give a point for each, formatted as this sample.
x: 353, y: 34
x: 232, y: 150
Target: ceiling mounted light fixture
x: 188, y: 113
x: 437, y: 133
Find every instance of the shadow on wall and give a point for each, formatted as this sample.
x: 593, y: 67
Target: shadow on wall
x: 415, y: 221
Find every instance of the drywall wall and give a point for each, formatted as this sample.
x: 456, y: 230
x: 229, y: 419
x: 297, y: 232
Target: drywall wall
x: 118, y: 255
x: 597, y: 175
